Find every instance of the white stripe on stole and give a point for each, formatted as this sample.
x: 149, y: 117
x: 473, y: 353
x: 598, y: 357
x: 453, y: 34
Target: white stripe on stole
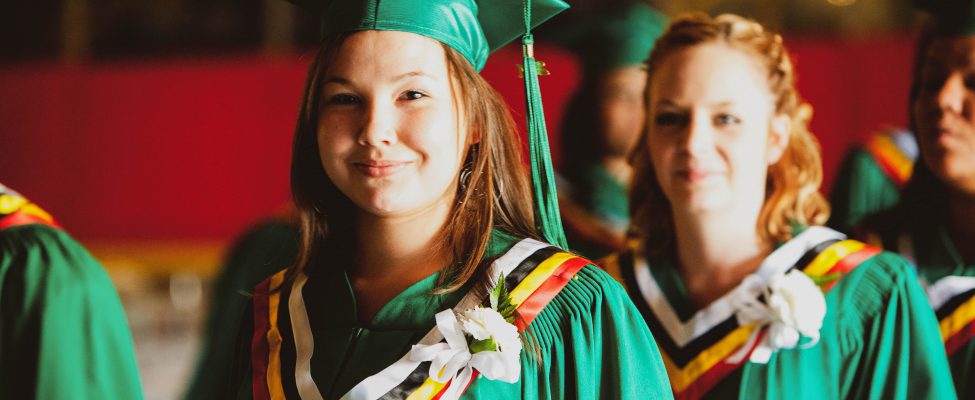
x: 304, y: 342
x: 945, y: 289
x: 379, y: 384
x: 707, y: 318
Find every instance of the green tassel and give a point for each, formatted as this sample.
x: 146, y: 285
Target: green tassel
x: 547, y: 219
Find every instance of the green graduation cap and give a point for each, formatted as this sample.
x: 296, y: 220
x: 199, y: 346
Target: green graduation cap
x: 951, y: 17
x: 614, y: 37
x: 474, y: 28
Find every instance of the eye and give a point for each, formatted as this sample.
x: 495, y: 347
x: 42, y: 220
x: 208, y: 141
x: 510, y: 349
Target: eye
x: 412, y: 95
x: 344, y: 99
x: 724, y: 119
x: 669, y: 119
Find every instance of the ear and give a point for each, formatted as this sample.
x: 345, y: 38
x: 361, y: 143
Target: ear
x: 475, y: 138
x: 778, y: 139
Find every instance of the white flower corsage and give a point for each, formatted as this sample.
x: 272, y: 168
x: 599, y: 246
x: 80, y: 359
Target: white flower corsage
x: 794, y: 307
x: 481, y: 338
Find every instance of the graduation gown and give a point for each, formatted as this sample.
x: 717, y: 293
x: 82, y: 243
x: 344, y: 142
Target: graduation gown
x: 63, y: 333
x: 589, y: 341
x: 595, y: 211
x: 871, y: 177
x: 950, y: 284
x: 263, y: 250
x: 879, y: 338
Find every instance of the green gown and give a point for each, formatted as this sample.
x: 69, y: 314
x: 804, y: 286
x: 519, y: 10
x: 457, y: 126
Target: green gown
x: 879, y: 338
x: 263, y: 250
x: 590, y: 341
x: 928, y: 246
x: 871, y: 177
x: 63, y: 333
x: 595, y: 211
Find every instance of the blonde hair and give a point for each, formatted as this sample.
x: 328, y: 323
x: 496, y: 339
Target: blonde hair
x: 792, y: 188
x: 495, y: 193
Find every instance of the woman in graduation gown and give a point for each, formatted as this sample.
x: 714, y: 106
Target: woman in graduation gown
x: 933, y: 224
x: 63, y: 333
x: 421, y: 272
x: 745, y: 294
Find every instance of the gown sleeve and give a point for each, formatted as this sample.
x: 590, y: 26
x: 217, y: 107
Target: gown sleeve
x: 894, y: 344
x: 595, y: 345
x: 63, y: 333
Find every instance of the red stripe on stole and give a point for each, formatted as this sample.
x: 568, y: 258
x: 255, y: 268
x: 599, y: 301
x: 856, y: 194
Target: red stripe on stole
x: 19, y: 218
x: 259, y: 348
x: 846, y: 264
x: 536, y: 302
x: 959, y: 339
x: 719, y: 371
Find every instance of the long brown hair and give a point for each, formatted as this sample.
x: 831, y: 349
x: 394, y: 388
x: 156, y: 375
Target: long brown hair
x: 792, y: 187
x: 494, y: 195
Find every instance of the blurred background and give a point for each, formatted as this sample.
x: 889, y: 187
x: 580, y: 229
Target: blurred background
x: 156, y: 131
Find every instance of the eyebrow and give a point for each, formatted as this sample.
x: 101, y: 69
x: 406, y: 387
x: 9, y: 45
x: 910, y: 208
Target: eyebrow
x: 345, y: 81
x: 668, y: 102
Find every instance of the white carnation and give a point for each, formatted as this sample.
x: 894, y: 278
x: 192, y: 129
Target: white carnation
x: 798, y: 305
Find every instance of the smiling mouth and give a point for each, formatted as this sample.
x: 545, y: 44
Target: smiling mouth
x: 695, y: 176
x: 380, y: 169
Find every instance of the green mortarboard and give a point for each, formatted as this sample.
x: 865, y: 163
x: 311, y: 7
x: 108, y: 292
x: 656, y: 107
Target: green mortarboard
x: 614, y: 37
x: 474, y: 31
x: 951, y: 17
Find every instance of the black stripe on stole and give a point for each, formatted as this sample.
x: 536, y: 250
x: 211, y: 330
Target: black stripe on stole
x: 814, y: 252
x: 421, y: 373
x: 528, y: 265
x: 951, y: 305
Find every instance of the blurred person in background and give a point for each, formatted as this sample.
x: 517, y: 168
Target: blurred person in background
x: 262, y: 250
x: 422, y: 271
x: 603, y: 121
x: 871, y: 177
x: 746, y: 295
x: 933, y: 224
x: 63, y: 333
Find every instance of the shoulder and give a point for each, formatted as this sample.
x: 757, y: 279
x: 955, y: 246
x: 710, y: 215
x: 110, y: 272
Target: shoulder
x: 870, y: 288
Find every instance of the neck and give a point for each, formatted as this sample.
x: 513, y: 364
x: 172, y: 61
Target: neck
x: 391, y: 254
x: 715, y: 253
x: 618, y: 168
x: 961, y: 217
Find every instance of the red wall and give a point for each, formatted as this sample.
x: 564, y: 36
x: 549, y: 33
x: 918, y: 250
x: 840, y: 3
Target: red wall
x: 198, y: 149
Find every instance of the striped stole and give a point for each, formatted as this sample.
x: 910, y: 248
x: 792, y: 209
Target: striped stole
x: 953, y: 300
x: 698, y: 353
x: 888, y: 150
x: 536, y: 271
x: 15, y: 210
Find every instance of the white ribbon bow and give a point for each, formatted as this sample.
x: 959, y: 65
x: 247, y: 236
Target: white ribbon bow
x: 781, y: 314
x: 453, y: 361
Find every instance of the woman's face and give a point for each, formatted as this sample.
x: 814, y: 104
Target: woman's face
x: 389, y: 131
x: 621, y: 108
x: 944, y: 111
x: 712, y: 132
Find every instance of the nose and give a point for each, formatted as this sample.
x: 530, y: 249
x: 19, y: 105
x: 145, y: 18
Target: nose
x: 951, y: 96
x: 378, y: 125
x: 698, y: 134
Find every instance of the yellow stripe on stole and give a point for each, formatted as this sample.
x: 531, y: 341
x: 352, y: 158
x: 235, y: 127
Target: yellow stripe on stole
x: 427, y: 390
x: 681, y: 378
x: 274, y: 386
x: 832, y: 255
x: 525, y: 288
x: 961, y: 317
x: 884, y: 147
x: 9, y: 204
x: 537, y: 277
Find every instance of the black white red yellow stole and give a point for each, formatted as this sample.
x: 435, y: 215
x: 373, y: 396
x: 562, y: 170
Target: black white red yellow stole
x: 701, y: 351
x: 537, y: 271
x: 15, y: 210
x: 953, y: 300
x: 894, y: 153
